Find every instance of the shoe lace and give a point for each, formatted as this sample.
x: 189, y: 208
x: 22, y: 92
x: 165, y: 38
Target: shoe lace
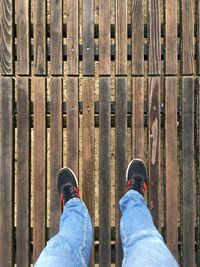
x: 69, y: 191
x: 135, y: 183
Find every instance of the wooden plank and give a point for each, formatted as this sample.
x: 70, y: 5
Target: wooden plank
x: 40, y: 50
x: 23, y: 172
x: 172, y: 184
x: 72, y: 37
x: 104, y: 173
x: 121, y: 157
x: 23, y: 37
x: 39, y: 167
x: 187, y: 37
x: 138, y: 117
x: 104, y: 37
x: 137, y: 38
x: 154, y: 149
x: 73, y: 124
x: 171, y: 37
x: 88, y: 179
x: 88, y: 37
x: 56, y: 34
x: 7, y: 42
x: 188, y: 171
x: 6, y: 173
x: 56, y: 145
x: 121, y: 37
x: 155, y: 38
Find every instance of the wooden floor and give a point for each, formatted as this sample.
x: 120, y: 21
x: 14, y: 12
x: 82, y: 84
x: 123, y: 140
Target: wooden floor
x: 92, y: 84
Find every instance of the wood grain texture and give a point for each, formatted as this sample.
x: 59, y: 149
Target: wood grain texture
x: 73, y: 124
x: 155, y: 38
x: 7, y: 39
x: 72, y: 37
x: 138, y: 117
x: 39, y: 167
x: 154, y: 149
x: 104, y: 37
x: 88, y: 37
x: 121, y: 157
x: 121, y: 37
x: 188, y: 171
x: 23, y: 171
x: 171, y: 37
x: 56, y: 153
x: 40, y: 42
x: 137, y: 38
x: 187, y: 37
x: 104, y: 174
x: 23, y: 37
x: 6, y: 173
x: 56, y: 33
x: 172, y: 184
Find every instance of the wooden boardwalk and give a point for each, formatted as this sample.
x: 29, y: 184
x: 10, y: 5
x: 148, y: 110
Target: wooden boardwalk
x: 91, y: 84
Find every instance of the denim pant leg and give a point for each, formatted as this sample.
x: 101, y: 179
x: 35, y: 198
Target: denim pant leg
x: 72, y: 245
x: 142, y: 243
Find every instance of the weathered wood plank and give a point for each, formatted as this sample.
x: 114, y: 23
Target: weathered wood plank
x: 88, y: 37
x: 73, y: 125
x: 121, y: 37
x: 138, y: 117
x: 188, y: 171
x: 171, y: 37
x: 104, y: 174
x: 7, y: 39
x: 172, y: 184
x: 56, y: 33
x: 154, y: 149
x: 23, y: 37
x: 137, y: 38
x: 56, y: 144
x: 72, y: 37
x: 23, y: 172
x: 121, y: 156
x: 104, y: 37
x: 39, y: 167
x: 6, y: 173
x: 40, y: 50
x: 155, y: 38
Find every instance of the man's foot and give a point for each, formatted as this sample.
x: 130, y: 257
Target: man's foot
x: 67, y: 185
x: 136, y: 176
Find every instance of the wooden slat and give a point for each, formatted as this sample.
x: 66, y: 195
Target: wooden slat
x: 171, y: 165
x: 23, y: 171
x: 188, y: 171
x: 56, y: 34
x: 55, y: 151
x: 104, y: 37
x: 88, y: 37
x: 188, y: 37
x: 72, y: 38
x: 138, y: 117
x: 171, y: 36
x: 6, y: 172
x: 72, y: 124
x: 88, y: 180
x: 7, y: 42
x: 137, y: 38
x: 39, y: 167
x: 23, y: 37
x: 104, y: 174
x: 121, y: 156
x: 155, y: 38
x: 121, y: 37
x: 40, y: 60
x: 154, y: 149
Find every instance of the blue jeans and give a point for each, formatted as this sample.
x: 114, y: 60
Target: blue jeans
x: 142, y: 243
